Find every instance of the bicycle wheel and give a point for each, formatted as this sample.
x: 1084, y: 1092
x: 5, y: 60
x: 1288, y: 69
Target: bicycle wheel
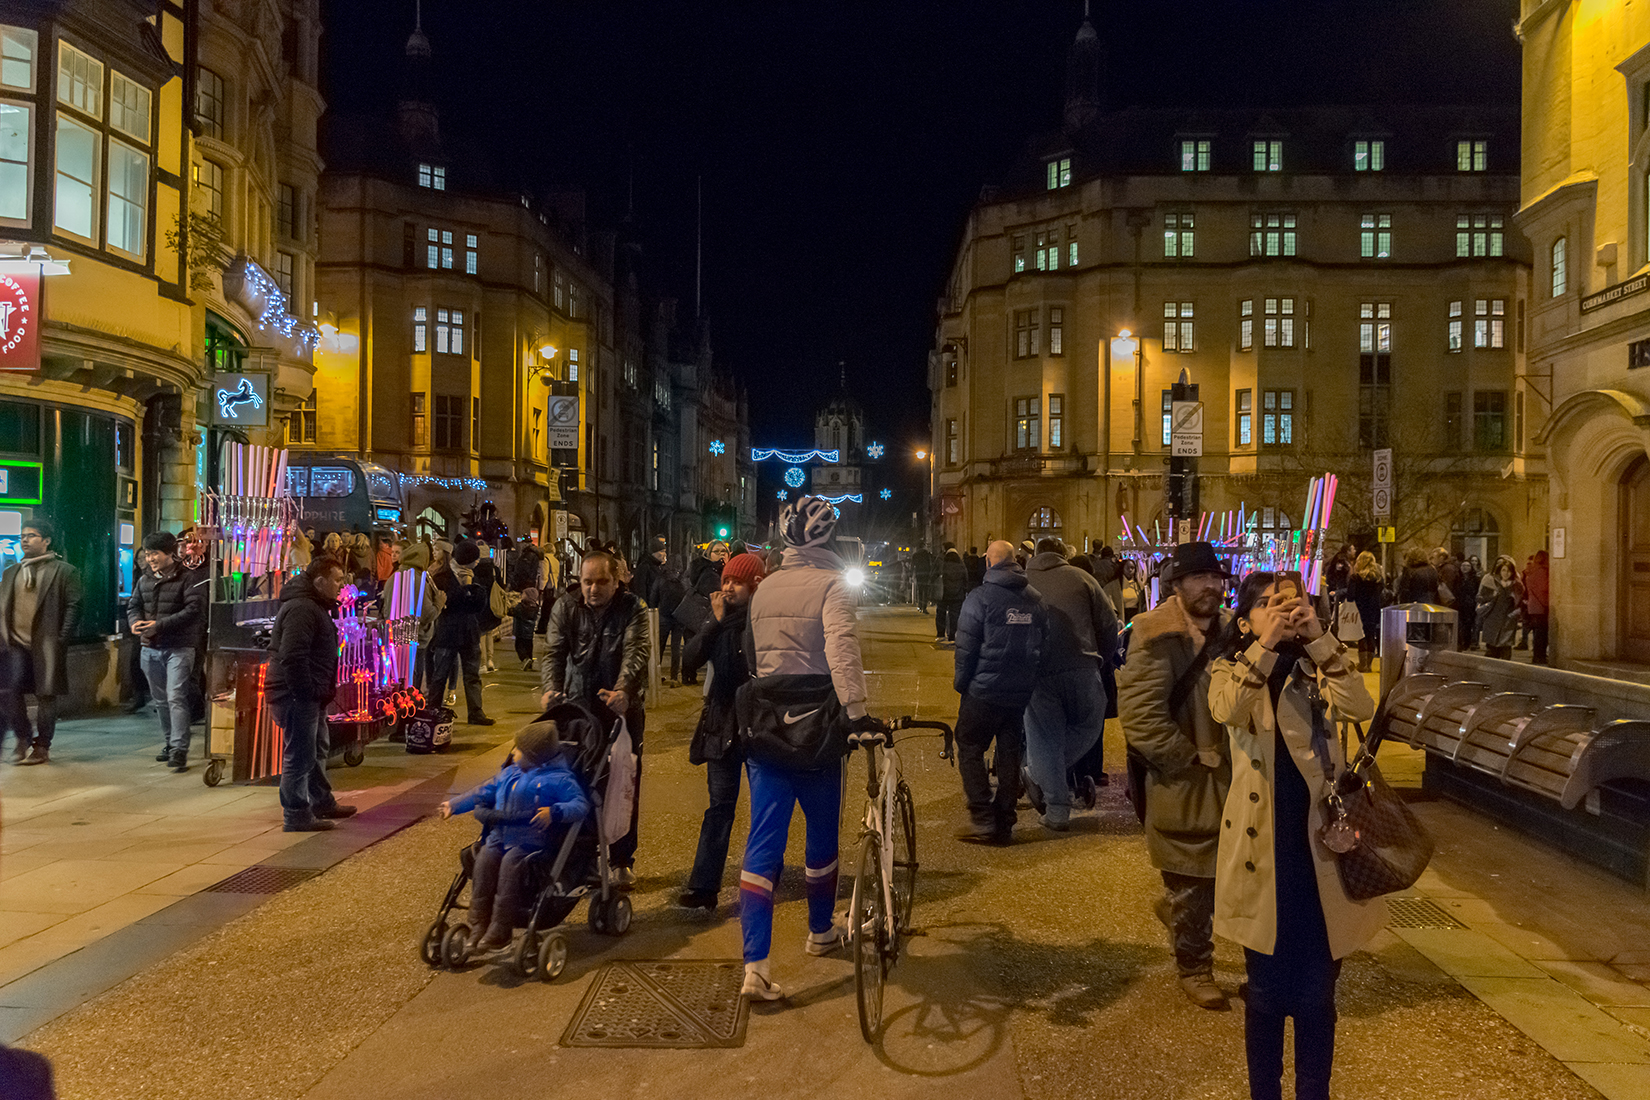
x: 903, y: 836
x: 867, y: 937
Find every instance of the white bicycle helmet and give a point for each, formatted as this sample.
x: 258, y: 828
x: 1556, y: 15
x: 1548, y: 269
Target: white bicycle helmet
x: 808, y: 522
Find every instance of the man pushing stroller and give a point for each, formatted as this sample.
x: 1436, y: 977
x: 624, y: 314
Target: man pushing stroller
x: 534, y: 791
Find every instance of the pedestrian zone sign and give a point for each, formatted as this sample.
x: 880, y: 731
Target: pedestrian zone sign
x: 1186, y: 421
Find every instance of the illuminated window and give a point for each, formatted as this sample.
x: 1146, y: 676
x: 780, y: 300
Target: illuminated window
x: 1194, y: 156
x: 1168, y: 417
x: 420, y: 430
x: 1471, y: 156
x: 1177, y: 326
x: 1019, y: 246
x: 1245, y: 417
x: 1368, y: 156
x: 951, y: 443
x: 79, y: 80
x: 572, y: 364
x: 1027, y: 423
x: 1268, y: 156
x: 77, y: 178
x: 1056, y: 330
x: 1178, y: 236
x: 1375, y: 327
x: 1027, y: 334
x: 1048, y: 250
x: 469, y: 254
x: 1272, y: 235
x: 301, y: 424
x: 1478, y: 235
x: 1488, y: 323
x: 433, y: 176
x: 129, y: 107
x: 1246, y: 324
x: 15, y: 170
x: 561, y: 289
x: 1489, y: 420
x: 438, y: 249
x: 1455, y: 326
x: 1277, y: 418
x: 449, y: 331
x: 1375, y: 238
x: 128, y: 202
x: 440, y: 178
x: 1056, y: 418
x: 420, y: 329
x: 1560, y: 280
x: 18, y: 48
x: 1071, y: 245
x: 1059, y: 173
x: 1279, y: 322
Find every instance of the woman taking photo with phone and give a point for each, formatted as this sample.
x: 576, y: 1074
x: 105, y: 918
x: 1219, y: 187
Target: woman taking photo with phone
x: 1280, y: 685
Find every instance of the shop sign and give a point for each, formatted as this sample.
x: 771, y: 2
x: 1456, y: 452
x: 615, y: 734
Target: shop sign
x: 20, y: 322
x: 240, y: 400
x: 20, y: 482
x: 563, y: 414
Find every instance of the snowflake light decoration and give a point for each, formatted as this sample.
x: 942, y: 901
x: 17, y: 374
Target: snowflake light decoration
x: 794, y: 477
x: 886, y: 494
x: 875, y: 450
x: 783, y: 495
x: 717, y: 447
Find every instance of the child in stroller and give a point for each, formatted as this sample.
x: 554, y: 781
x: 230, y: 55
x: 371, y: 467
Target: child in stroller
x: 534, y: 791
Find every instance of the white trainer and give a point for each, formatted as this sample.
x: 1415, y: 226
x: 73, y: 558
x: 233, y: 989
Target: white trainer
x: 757, y: 985
x: 823, y: 943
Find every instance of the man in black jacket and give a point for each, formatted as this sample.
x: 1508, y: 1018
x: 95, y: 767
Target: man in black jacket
x: 167, y: 612
x: 457, y: 641
x: 716, y: 739
x: 655, y: 581
x: 39, y: 613
x: 302, y: 678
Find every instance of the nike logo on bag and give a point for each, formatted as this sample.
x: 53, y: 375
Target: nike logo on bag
x: 793, y: 719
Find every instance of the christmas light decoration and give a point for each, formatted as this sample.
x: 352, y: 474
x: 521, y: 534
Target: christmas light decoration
x: 443, y: 482
x: 886, y: 494
x: 275, y: 314
x: 794, y: 457
x: 794, y: 477
x: 854, y: 497
x: 717, y: 447
x: 875, y: 450
x: 783, y: 495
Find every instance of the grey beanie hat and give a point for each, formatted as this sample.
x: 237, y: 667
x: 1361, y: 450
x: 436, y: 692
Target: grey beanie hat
x: 538, y: 744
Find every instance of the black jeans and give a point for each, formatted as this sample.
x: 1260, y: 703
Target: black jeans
x: 496, y: 889
x: 979, y: 724
x: 305, y: 790
x: 16, y: 715
x: 673, y: 634
x: 1538, y: 639
x: 441, y: 674
x: 945, y: 619
x: 716, y: 830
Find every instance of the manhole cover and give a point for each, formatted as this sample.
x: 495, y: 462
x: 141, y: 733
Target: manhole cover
x: 673, y: 1003
x: 1419, y: 913
x: 261, y: 880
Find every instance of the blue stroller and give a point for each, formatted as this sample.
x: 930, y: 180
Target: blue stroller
x: 556, y: 877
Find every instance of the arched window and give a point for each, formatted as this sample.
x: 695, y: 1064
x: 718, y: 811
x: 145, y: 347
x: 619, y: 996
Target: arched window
x: 430, y: 524
x: 1044, y: 521
x: 1560, y: 280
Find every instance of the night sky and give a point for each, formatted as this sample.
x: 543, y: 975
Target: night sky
x: 842, y: 143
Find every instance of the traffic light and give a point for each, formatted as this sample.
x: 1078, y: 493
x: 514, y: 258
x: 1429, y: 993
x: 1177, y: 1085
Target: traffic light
x: 722, y: 531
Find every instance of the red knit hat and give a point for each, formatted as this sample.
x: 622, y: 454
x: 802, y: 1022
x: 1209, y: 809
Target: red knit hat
x: 745, y: 568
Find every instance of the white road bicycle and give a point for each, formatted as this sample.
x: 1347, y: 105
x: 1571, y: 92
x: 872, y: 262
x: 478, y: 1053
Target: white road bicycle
x: 885, y: 879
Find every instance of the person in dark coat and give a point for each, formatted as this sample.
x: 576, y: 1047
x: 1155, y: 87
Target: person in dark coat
x: 167, y: 612
x: 1418, y: 582
x: 1000, y: 642
x: 486, y: 575
x: 973, y: 570
x: 953, y: 586
x: 656, y: 581
x: 522, y: 617
x: 716, y: 742
x: 1364, y: 587
x: 302, y: 679
x: 923, y: 570
x: 39, y: 613
x: 456, y: 643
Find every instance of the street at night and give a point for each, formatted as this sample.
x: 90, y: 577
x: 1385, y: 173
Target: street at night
x: 1019, y: 548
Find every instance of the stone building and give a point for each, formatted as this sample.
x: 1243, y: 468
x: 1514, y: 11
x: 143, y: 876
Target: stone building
x: 1332, y: 280
x: 1586, y: 212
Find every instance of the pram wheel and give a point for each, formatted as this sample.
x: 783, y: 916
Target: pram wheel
x: 597, y: 916
x: 455, y: 949
x: 526, y: 955
x: 552, y: 959
x: 430, y: 949
x: 1087, y: 791
x: 612, y: 916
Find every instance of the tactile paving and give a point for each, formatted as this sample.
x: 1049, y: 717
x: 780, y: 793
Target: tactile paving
x: 1419, y: 913
x: 668, y: 1003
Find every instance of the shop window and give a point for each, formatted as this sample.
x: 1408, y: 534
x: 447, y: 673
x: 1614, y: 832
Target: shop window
x: 19, y: 428
x: 1475, y: 533
x: 225, y: 351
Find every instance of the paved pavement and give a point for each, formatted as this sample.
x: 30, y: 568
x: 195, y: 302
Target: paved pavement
x: 1038, y: 969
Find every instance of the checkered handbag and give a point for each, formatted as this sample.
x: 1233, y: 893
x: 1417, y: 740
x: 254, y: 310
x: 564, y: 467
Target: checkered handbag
x: 1380, y: 847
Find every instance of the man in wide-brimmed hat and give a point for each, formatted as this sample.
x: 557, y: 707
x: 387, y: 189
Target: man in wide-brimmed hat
x: 1163, y: 701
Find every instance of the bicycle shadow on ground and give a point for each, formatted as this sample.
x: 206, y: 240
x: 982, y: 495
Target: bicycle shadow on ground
x: 951, y: 999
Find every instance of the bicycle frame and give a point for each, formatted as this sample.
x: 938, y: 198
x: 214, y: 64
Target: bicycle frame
x: 879, y: 810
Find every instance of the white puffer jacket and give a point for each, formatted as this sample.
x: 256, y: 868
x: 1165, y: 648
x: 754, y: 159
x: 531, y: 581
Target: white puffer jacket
x: 803, y: 621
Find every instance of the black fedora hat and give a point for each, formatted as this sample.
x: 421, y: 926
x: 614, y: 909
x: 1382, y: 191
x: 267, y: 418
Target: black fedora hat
x: 1195, y: 557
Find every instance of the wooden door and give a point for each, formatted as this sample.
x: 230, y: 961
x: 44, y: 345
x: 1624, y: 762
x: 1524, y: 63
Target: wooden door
x: 1635, y: 562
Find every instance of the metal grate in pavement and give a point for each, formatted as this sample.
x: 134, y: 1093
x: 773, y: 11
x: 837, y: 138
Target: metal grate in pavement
x: 1419, y: 913
x: 261, y: 880
x: 681, y: 1004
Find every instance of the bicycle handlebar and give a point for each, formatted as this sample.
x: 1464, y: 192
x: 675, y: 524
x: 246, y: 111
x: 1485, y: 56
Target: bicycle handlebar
x: 909, y: 723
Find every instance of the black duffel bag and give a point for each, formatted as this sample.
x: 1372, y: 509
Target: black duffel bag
x: 793, y: 722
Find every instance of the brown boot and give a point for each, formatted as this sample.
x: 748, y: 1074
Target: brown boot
x: 1202, y: 991
x: 38, y: 755
x: 20, y: 752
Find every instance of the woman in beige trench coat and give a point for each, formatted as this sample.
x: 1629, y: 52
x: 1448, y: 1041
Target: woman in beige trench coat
x: 1276, y: 888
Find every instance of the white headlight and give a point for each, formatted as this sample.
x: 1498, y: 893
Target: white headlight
x: 855, y: 577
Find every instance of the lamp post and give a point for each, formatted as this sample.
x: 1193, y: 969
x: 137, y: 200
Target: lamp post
x: 928, y: 495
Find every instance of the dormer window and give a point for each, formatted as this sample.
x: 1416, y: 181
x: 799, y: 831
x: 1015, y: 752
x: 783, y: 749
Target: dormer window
x: 1368, y: 156
x: 1268, y: 156
x: 1194, y: 156
x: 432, y: 176
x: 1059, y: 173
x: 1471, y: 156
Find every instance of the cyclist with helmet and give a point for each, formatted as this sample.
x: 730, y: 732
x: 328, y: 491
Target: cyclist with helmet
x: 796, y: 716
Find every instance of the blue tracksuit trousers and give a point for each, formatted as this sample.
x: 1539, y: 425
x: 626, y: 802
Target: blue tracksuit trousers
x: 775, y: 792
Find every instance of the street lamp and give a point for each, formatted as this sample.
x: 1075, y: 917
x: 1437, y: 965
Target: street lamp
x: 928, y: 502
